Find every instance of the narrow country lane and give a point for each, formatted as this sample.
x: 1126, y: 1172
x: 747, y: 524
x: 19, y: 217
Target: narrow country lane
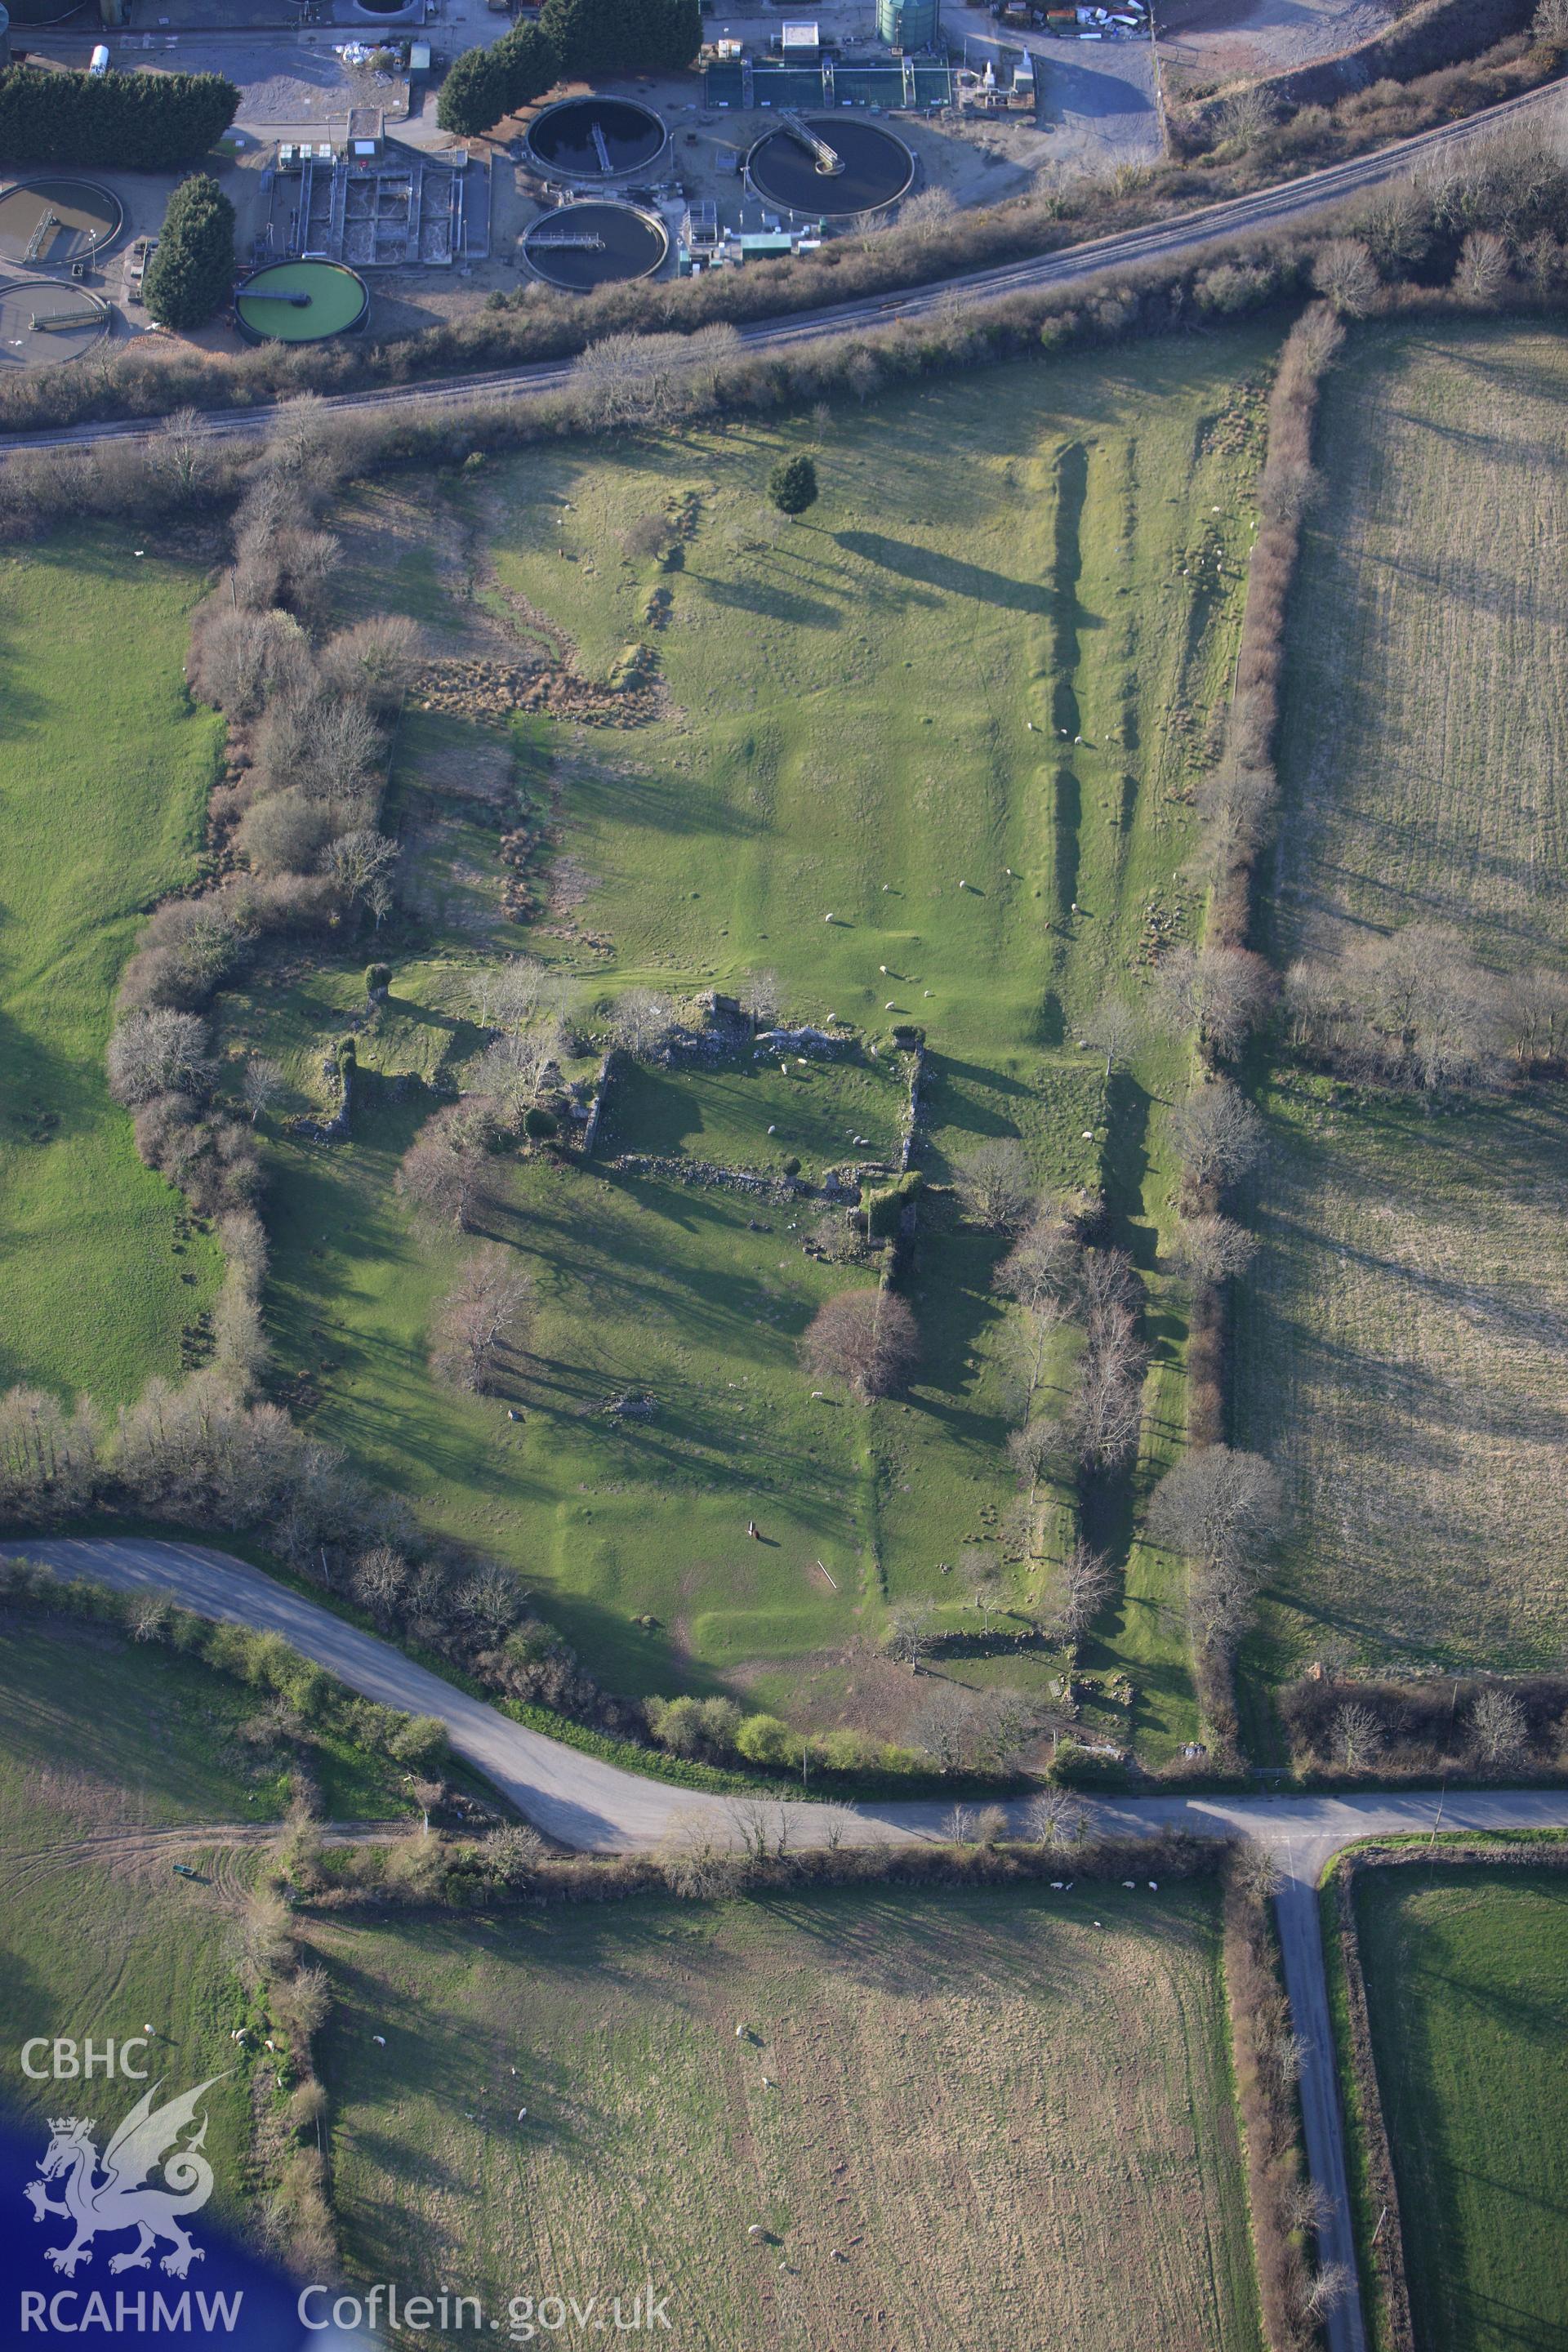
x: 585, y: 1804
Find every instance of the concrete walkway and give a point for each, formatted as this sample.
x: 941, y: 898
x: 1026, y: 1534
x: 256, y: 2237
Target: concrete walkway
x: 598, y: 1808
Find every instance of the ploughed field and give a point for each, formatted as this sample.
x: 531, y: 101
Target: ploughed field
x: 985, y: 2118
x: 1401, y: 1343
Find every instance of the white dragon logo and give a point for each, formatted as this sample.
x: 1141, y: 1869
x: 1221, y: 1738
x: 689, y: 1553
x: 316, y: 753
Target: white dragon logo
x: 122, y: 2199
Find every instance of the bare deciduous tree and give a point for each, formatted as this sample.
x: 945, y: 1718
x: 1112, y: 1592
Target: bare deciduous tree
x: 964, y: 1730
x: 1085, y: 1583
x: 697, y: 1864
x: 907, y: 1635
x: 380, y: 1581
x: 641, y: 1023
x: 994, y: 1182
x: 509, y: 996
x: 1212, y: 1249
x: 1042, y: 1268
x: 1307, y: 2206
x: 1107, y: 1410
x: 483, y: 1319
x: 1055, y: 1820
x: 1245, y: 117
x: 628, y: 379
x: 1218, y: 1133
x: 1500, y: 1729
x: 356, y: 861
x: 491, y: 1600
x: 1346, y: 276
x: 1041, y: 1449
x: 1113, y: 1029
x: 181, y: 456
x: 158, y: 1052
x: 375, y: 659
x: 1224, y: 1510
x: 1482, y: 270
x: 511, y: 1855
x: 444, y: 1173
x: 1356, y: 1735
x: 261, y: 1084
x: 1218, y: 1504
x: 864, y: 1338
x: 1535, y: 1008
x: 1224, y: 993
x: 643, y: 537
x: 1329, y: 2289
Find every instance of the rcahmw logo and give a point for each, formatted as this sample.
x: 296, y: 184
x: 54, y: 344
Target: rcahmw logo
x: 113, y: 2194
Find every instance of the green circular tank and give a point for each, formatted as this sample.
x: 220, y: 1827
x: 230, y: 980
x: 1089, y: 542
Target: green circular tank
x: 300, y: 302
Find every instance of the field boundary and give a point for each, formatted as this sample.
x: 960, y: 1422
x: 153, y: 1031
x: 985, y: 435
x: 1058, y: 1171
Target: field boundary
x: 1248, y: 781
x: 1268, y: 2113
x: 1381, y: 2248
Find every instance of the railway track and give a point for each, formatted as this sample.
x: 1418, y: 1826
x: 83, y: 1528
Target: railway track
x: 1285, y: 203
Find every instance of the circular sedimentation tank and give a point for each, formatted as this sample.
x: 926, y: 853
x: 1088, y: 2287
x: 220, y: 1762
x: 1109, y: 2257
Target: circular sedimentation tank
x: 300, y: 302
x: 595, y: 139
x: 45, y: 322
x: 47, y: 224
x: 589, y: 245
x: 876, y: 168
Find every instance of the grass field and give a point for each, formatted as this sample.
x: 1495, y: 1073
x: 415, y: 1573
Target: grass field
x: 164, y: 1739
x: 104, y: 771
x: 1401, y: 1347
x: 105, y: 1745
x: 1016, y: 2126
x: 99, y: 1739
x: 1466, y: 1976
x: 992, y: 653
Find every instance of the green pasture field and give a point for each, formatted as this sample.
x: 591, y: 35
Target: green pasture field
x: 1466, y: 1975
x: 860, y: 711
x: 1010, y: 2112
x: 1398, y: 1346
x: 105, y: 767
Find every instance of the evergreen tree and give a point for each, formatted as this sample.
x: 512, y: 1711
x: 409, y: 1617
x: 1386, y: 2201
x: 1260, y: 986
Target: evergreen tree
x: 137, y: 122
x: 792, y: 484
x: 485, y: 84
x: 610, y: 37
x: 190, y: 275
